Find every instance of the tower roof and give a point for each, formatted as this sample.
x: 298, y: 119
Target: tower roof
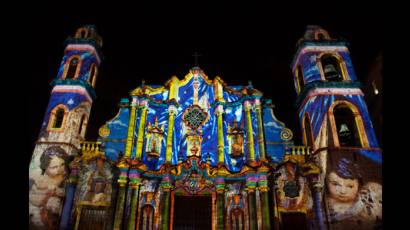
x: 315, y: 35
x: 87, y: 34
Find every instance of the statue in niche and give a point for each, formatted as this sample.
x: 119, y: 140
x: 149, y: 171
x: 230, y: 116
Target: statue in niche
x: 154, y: 137
x: 194, y: 145
x: 235, y: 205
x: 148, y: 185
x: 99, y: 183
x: 291, y: 187
x: 236, y: 140
x: 204, y: 102
x: 147, y: 204
x: 293, y: 190
x: 233, y: 189
x: 234, y: 195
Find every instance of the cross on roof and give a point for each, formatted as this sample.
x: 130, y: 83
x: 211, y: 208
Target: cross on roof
x: 196, y: 55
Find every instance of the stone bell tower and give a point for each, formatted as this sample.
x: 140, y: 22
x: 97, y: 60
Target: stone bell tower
x: 64, y: 126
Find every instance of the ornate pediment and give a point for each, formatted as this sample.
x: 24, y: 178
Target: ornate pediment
x: 193, y: 178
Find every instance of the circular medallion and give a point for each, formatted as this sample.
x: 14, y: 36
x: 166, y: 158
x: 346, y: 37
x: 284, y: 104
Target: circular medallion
x: 104, y: 131
x: 194, y: 117
x: 286, y: 134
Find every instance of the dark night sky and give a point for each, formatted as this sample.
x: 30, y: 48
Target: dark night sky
x: 237, y: 42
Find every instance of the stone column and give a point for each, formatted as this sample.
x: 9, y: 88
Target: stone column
x: 141, y: 128
x: 219, y: 112
x: 122, y: 183
x: 220, y: 202
x: 263, y: 191
x: 276, y: 223
x: 72, y: 185
x: 172, y: 111
x: 166, y: 185
x: 131, y: 127
x: 249, y: 133
x: 135, y: 181
x: 312, y: 173
x: 251, y: 181
x: 316, y: 189
x: 261, y: 137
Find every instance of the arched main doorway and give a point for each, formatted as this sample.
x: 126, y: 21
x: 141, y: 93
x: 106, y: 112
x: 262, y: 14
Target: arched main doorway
x: 192, y: 212
x: 193, y: 200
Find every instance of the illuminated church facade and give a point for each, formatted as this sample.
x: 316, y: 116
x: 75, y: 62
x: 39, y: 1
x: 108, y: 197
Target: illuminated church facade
x: 198, y: 153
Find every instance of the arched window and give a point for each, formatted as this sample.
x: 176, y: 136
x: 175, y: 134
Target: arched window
x: 147, y: 218
x: 346, y: 126
x: 299, y: 78
x: 83, y: 33
x: 83, y: 123
x: 57, y: 117
x: 72, y: 68
x: 331, y: 68
x: 237, y: 221
x: 308, y: 131
x: 320, y: 36
x: 93, y: 74
x: 58, y: 120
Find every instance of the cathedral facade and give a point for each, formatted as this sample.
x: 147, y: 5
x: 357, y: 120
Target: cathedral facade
x: 198, y: 153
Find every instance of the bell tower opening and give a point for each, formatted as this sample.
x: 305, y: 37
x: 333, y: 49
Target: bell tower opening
x: 193, y: 212
x: 331, y: 68
x: 72, y: 68
x: 347, y: 130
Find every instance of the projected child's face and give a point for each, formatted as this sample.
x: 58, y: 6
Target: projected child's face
x: 344, y: 190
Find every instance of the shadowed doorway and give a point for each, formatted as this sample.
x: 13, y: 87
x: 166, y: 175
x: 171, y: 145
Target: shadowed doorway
x: 193, y: 212
x: 294, y: 221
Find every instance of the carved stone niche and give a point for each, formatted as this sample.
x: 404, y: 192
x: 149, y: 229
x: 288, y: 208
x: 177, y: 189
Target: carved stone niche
x: 154, y: 137
x: 194, y: 145
x: 236, y: 140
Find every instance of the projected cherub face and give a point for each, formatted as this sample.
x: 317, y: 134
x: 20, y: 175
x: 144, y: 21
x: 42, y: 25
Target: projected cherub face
x: 52, y: 162
x: 56, y: 167
x: 343, y: 190
x: 343, y: 182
